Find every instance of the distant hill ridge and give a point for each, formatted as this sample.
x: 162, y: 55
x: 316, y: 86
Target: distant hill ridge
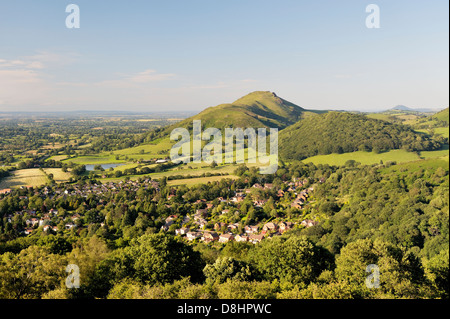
x: 258, y: 109
x: 305, y: 133
x: 408, y: 109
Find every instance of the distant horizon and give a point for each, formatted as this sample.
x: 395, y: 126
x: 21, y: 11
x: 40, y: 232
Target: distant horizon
x: 196, y: 111
x: 193, y: 112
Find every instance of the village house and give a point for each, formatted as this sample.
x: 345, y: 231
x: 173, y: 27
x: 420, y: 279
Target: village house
x: 225, y: 238
x: 33, y: 221
x: 193, y: 235
x: 309, y: 223
x: 168, y: 222
x: 202, y: 223
x: 210, y: 236
x: 303, y: 196
x: 69, y: 225
x: 259, y: 203
x: 237, y: 198
x: 181, y: 231
x: 43, y: 220
x: 201, y: 213
x: 297, y: 204
x: 253, y: 238
x: 5, y: 191
x: 251, y: 229
x: 285, y: 226
x: 270, y: 227
x: 48, y: 227
x: 268, y: 186
x: 241, y: 238
x: 171, y: 218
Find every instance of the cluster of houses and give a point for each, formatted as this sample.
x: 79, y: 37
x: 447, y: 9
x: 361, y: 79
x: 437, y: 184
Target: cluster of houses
x: 96, y: 189
x: 252, y: 233
x: 33, y: 221
x: 198, y: 221
x: 249, y: 233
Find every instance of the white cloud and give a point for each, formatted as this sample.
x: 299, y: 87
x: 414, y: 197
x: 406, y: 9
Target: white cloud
x: 25, y: 64
x: 22, y: 87
x: 34, y: 81
x: 31, y: 80
x: 22, y: 82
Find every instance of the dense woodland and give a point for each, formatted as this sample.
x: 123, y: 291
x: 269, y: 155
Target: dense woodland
x: 394, y: 216
x: 340, y: 132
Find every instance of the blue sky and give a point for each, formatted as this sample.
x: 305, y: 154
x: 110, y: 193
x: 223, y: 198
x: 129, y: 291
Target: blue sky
x: 186, y: 55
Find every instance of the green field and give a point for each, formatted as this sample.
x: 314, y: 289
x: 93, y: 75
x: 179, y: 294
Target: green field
x: 58, y: 175
x: 144, y: 152
x: 433, y: 154
x: 33, y: 177
x: 158, y: 149
x: 380, y: 116
x: 429, y: 165
x: 444, y: 131
x: 24, y: 177
x: 365, y: 158
x: 200, y: 180
x: 94, y: 159
x: 58, y: 157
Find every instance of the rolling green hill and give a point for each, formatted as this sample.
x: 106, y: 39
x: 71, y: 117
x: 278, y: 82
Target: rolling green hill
x: 303, y: 133
x: 442, y: 116
x: 257, y: 109
x: 341, y: 132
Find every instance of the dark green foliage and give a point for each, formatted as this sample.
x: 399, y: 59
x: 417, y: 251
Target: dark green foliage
x: 438, y: 272
x: 228, y: 268
x: 151, y: 259
x: 293, y: 259
x: 55, y: 244
x: 400, y: 272
x: 340, y: 132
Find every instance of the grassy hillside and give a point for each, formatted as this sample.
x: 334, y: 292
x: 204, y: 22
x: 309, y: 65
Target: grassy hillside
x: 365, y: 158
x: 340, y: 132
x: 437, y: 121
x: 442, y: 116
x: 257, y: 109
